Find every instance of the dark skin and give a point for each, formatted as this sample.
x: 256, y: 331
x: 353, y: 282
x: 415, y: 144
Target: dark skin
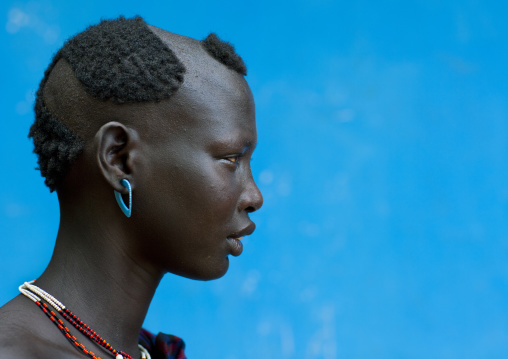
x: 188, y: 161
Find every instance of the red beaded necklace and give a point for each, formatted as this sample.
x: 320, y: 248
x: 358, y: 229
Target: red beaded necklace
x: 33, y: 292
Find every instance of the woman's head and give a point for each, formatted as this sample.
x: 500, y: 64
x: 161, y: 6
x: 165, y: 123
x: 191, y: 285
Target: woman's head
x: 119, y: 61
x: 171, y: 114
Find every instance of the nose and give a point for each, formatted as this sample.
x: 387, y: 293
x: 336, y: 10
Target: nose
x: 251, y: 199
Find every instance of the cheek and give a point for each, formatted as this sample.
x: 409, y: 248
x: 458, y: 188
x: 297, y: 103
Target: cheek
x: 214, y: 190
x: 202, y: 188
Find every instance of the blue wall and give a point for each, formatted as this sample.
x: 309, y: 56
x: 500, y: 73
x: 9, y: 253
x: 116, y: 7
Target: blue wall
x: 382, y: 156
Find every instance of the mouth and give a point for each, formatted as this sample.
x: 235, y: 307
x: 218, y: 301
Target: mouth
x: 234, y: 239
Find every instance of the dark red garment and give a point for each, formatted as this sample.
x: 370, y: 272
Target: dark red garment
x: 162, y: 346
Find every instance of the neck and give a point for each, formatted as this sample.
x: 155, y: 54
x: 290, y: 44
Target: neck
x: 97, y: 277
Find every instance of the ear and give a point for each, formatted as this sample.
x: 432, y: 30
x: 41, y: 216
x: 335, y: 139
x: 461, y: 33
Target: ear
x: 116, y: 148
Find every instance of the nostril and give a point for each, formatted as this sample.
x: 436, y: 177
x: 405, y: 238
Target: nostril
x: 250, y: 209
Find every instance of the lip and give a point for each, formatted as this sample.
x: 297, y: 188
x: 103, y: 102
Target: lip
x: 234, y: 239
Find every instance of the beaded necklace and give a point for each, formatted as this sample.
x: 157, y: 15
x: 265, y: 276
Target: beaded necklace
x: 35, y: 294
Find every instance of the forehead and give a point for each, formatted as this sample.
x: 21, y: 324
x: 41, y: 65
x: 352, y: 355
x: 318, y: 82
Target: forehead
x: 213, y: 109
x: 212, y: 97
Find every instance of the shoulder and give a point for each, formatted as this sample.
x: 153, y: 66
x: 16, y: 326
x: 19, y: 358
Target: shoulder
x: 23, y: 336
x: 34, y: 347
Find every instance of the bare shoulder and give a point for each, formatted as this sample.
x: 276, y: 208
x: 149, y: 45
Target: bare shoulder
x: 24, y: 335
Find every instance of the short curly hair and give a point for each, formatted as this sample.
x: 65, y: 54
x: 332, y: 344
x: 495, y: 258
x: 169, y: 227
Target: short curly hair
x: 224, y: 52
x: 120, y: 60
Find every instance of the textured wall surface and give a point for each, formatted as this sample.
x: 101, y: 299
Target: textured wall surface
x: 382, y: 156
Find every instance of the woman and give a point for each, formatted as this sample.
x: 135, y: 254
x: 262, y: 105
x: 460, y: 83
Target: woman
x: 146, y: 136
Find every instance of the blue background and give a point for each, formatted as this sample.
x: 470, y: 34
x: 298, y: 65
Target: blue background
x: 382, y: 157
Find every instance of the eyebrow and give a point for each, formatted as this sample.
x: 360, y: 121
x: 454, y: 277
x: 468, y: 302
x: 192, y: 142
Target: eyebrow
x: 247, y: 147
x: 245, y: 144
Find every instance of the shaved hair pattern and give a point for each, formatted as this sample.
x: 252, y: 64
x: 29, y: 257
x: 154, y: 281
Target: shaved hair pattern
x: 123, y: 60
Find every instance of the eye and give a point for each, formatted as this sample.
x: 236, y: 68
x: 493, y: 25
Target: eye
x: 234, y: 159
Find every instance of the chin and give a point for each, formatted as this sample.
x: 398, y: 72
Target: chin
x: 205, y: 272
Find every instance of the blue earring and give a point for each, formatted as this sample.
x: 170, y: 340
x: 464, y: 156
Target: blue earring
x: 119, y: 199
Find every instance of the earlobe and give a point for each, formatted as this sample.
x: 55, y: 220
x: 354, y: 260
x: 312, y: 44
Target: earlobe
x: 114, y: 146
